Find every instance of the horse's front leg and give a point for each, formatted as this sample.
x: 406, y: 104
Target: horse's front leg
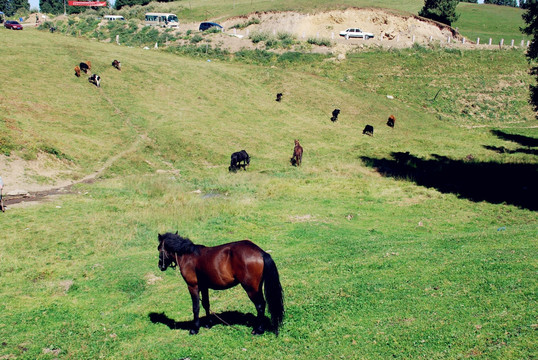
x: 195, y: 296
x: 205, y: 304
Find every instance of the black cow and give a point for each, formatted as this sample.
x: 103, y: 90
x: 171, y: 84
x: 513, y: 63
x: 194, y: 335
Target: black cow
x: 95, y: 79
x: 237, y: 158
x: 85, y: 67
x: 336, y: 112
x: 52, y: 29
x: 368, y: 130
x: 278, y: 97
x: 391, y: 121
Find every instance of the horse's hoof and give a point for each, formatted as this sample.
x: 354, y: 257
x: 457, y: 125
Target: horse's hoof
x: 193, y: 332
x: 258, y: 331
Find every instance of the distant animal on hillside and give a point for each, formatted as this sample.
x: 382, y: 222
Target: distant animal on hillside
x: 239, y: 160
x: 95, y: 79
x: 52, y: 29
x: 391, y: 121
x: 297, y: 156
x: 116, y: 64
x: 336, y: 112
x: 85, y: 66
x: 279, y: 97
x: 222, y: 267
x: 77, y: 71
x: 368, y: 130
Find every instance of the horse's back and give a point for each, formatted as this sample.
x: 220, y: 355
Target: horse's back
x: 228, y: 264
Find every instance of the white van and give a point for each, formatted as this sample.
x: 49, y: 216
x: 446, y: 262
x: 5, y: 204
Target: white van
x: 114, y: 17
x: 162, y: 20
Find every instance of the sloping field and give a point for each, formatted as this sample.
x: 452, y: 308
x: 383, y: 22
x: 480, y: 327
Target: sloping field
x: 417, y: 242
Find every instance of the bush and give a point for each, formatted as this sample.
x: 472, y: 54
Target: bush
x: 196, y: 39
x: 259, y: 36
x: 246, y: 23
x: 319, y: 42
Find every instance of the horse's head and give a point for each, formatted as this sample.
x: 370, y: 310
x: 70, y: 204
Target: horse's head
x: 166, y: 258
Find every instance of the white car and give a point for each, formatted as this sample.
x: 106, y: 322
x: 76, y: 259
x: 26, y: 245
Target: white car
x: 356, y: 33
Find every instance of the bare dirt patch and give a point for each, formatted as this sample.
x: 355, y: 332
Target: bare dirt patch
x: 391, y: 30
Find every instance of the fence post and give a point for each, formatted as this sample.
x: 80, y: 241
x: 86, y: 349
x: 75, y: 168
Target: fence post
x: 448, y: 40
x: 477, y: 41
x: 528, y: 42
x: 522, y: 43
x: 431, y: 38
x: 501, y: 43
x: 413, y: 40
x: 512, y: 43
x: 489, y: 41
x: 463, y: 41
x: 117, y: 39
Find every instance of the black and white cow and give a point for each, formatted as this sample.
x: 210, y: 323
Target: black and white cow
x: 95, y: 79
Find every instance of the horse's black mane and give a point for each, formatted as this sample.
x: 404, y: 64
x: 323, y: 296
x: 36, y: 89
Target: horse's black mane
x: 177, y: 244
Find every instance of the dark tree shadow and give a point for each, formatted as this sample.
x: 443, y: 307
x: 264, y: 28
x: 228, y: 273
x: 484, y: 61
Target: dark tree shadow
x: 520, y: 139
x: 227, y: 318
x: 503, y: 150
x: 514, y: 184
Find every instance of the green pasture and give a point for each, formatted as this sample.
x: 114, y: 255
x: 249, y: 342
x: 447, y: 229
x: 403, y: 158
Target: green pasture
x: 418, y: 242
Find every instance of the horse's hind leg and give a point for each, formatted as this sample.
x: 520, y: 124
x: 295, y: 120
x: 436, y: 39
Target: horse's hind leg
x: 256, y: 296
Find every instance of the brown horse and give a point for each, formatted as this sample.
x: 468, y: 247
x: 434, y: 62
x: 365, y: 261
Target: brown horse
x: 222, y: 267
x: 297, y: 154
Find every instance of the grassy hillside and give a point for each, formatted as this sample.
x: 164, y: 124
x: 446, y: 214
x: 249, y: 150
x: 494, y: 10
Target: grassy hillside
x: 476, y: 20
x: 381, y: 253
x: 490, y: 21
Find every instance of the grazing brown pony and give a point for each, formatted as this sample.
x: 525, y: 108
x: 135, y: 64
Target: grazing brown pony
x: 116, y: 64
x: 222, y: 267
x: 77, y: 71
x: 297, y: 154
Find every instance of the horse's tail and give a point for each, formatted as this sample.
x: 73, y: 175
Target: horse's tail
x: 273, y: 292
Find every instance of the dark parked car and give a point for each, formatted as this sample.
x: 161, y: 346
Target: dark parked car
x: 12, y: 24
x: 206, y: 25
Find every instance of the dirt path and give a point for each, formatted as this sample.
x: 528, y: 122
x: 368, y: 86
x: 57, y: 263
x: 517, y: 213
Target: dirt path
x: 17, y: 173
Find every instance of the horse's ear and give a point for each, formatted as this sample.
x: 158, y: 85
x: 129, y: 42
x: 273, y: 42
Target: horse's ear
x: 176, y: 232
x: 160, y: 236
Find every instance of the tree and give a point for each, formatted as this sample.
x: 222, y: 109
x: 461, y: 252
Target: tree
x: 10, y: 7
x: 52, y: 6
x: 530, y: 17
x: 5, y: 7
x: 443, y: 11
x: 20, y: 4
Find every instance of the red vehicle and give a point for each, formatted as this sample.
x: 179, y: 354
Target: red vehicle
x: 12, y: 24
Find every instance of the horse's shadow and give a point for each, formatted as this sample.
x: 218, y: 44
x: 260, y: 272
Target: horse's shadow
x: 227, y: 318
